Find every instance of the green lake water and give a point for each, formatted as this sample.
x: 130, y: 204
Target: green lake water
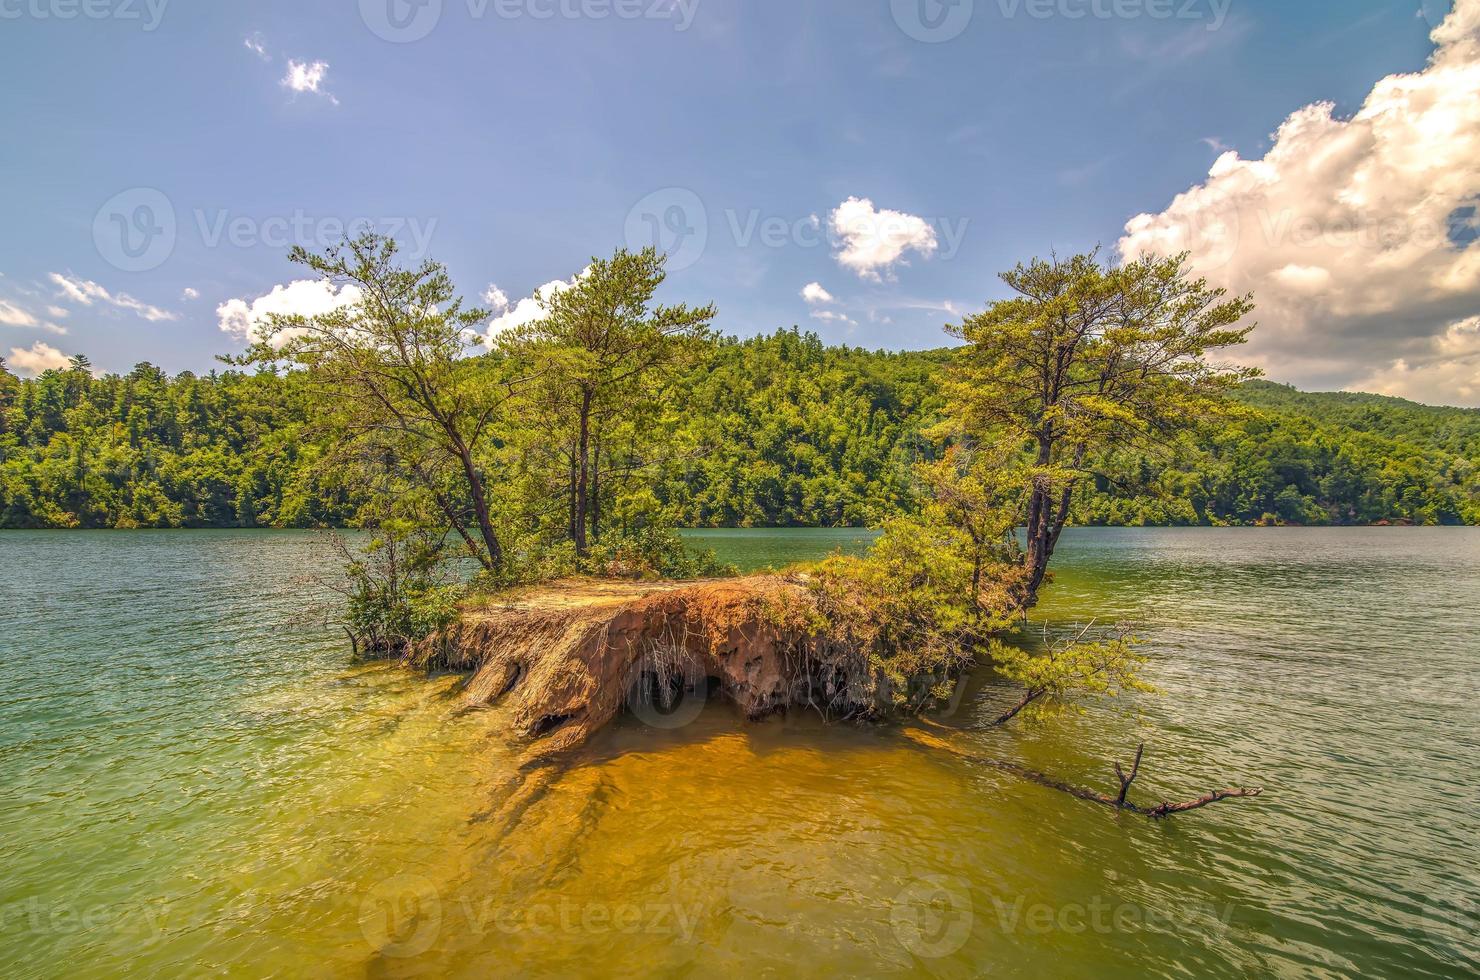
x: 196, y: 781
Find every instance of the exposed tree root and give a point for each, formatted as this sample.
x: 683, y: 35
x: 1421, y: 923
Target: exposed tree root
x: 569, y: 655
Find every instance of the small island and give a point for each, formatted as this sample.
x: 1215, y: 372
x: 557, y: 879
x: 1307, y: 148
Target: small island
x: 516, y: 538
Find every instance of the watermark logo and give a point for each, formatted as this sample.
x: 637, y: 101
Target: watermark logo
x: 401, y: 916
x: 135, y: 230
x: 932, y: 917
x: 672, y: 220
x: 401, y: 21
x: 667, y: 688
x: 932, y: 21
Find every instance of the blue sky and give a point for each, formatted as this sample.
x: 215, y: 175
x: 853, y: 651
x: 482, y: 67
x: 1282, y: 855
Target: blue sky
x: 516, y: 145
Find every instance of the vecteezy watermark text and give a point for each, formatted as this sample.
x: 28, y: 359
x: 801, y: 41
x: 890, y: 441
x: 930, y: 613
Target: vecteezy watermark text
x: 148, y: 12
x: 404, y: 915
x: 138, y: 229
x: 403, y: 21
x: 676, y: 222
x: 934, y: 21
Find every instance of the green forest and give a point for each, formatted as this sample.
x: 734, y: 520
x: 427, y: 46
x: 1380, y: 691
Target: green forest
x: 778, y: 430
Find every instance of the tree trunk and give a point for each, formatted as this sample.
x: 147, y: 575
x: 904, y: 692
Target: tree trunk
x: 583, y: 475
x: 480, y: 504
x: 1040, y: 544
x: 596, y: 487
x: 570, y: 499
x: 1040, y: 548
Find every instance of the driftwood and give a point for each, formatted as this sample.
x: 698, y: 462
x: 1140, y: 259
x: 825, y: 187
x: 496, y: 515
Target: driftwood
x: 1117, y: 802
x: 1162, y: 809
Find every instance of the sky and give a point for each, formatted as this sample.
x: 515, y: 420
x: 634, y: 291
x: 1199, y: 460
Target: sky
x: 861, y: 168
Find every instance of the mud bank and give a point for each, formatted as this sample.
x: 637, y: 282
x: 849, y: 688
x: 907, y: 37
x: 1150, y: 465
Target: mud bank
x: 570, y: 655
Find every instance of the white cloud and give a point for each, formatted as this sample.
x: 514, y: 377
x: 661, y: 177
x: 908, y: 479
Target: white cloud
x: 248, y: 321
x: 1447, y: 371
x: 1355, y: 235
x: 189, y: 293
x: 37, y: 358
x: 830, y: 316
x: 873, y: 241
x: 527, y: 310
x: 13, y: 316
x: 308, y: 76
x: 813, y: 292
x: 87, y: 292
x: 58, y: 312
x: 255, y: 44
x: 495, y: 299
x: 1304, y: 278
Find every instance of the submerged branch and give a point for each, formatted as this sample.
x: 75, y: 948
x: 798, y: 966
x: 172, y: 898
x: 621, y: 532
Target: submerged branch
x: 1118, y: 802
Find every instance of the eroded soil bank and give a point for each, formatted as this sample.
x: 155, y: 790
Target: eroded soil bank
x: 570, y: 654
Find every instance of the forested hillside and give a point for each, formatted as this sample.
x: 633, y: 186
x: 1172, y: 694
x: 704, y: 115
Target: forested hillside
x: 775, y: 430
x: 1310, y: 458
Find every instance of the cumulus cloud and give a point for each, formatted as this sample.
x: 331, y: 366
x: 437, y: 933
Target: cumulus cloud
x: 188, y: 293
x: 248, y: 321
x: 308, y: 76
x: 495, y: 299
x: 37, y: 358
x: 527, y: 310
x: 813, y: 292
x: 872, y: 241
x: 87, y: 292
x: 1449, y: 363
x: 1356, y: 235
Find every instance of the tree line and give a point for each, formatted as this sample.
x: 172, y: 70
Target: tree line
x: 775, y: 430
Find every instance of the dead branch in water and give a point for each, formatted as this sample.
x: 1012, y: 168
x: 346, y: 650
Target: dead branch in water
x: 1125, y: 781
x: 1167, y: 809
x: 1118, y: 802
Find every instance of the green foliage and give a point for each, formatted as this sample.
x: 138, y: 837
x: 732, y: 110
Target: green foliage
x: 598, y: 397
x: 393, y: 384
x: 782, y: 430
x: 772, y: 431
x: 652, y: 553
x: 1304, y: 458
x: 1057, y: 677
x: 1084, y: 364
x: 398, y: 588
x: 909, y: 609
x: 144, y: 450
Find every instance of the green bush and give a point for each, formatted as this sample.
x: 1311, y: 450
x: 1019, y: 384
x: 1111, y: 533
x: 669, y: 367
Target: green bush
x: 652, y: 552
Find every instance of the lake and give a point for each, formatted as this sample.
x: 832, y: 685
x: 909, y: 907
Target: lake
x: 197, y: 780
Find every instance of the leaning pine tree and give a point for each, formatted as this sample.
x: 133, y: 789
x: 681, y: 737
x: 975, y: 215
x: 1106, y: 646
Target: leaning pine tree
x: 1086, y: 360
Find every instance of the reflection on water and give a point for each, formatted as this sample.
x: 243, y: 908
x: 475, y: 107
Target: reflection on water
x: 194, y: 784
